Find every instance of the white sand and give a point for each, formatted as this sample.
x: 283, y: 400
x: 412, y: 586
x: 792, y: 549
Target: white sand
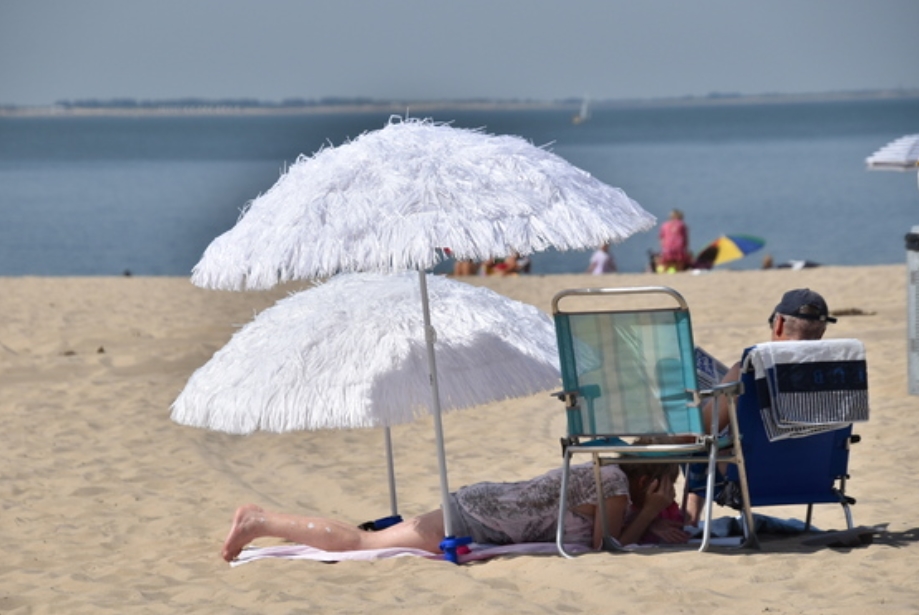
x: 109, y: 507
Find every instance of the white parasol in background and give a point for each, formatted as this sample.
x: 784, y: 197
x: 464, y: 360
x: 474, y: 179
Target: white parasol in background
x: 903, y: 155
x: 351, y: 353
x: 393, y: 199
x: 899, y: 155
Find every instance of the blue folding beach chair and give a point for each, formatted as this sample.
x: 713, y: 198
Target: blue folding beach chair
x: 628, y: 371
x: 795, y: 418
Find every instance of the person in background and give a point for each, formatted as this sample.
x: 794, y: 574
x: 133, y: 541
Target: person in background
x: 510, y: 265
x: 464, y: 268
x: 601, y: 261
x: 674, y: 239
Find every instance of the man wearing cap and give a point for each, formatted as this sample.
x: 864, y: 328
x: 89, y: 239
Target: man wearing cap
x: 801, y: 315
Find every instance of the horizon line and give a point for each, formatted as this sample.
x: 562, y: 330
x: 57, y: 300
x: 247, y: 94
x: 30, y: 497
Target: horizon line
x: 193, y: 104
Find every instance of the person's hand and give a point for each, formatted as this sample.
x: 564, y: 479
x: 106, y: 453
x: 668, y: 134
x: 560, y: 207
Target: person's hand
x: 668, y: 531
x: 659, y: 494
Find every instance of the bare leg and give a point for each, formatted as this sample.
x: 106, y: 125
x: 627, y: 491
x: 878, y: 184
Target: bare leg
x: 694, y: 505
x: 252, y: 522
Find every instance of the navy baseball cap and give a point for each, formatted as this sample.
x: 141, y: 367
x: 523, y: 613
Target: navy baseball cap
x: 803, y: 303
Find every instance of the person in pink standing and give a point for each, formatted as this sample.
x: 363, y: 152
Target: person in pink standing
x: 674, y: 239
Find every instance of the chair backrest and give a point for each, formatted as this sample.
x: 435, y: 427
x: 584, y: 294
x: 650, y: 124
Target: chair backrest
x: 632, y: 370
x: 802, y: 469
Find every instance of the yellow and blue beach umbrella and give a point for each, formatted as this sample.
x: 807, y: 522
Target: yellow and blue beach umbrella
x: 729, y: 248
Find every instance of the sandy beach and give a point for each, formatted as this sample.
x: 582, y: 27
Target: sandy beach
x: 110, y: 507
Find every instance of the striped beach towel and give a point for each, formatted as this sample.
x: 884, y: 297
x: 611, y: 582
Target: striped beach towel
x: 809, y: 387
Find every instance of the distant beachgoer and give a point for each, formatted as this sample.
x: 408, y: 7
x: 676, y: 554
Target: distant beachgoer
x: 510, y: 265
x: 674, y: 239
x: 465, y: 267
x: 506, y: 266
x: 523, y: 264
x: 601, y: 261
x: 635, y: 496
x: 805, y: 264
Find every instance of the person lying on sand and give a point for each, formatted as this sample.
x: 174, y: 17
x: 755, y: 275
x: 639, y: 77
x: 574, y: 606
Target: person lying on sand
x: 635, y: 495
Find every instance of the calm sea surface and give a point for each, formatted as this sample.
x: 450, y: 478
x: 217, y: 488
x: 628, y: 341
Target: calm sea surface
x: 98, y: 196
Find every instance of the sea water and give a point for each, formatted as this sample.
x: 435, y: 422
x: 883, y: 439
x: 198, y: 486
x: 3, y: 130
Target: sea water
x: 147, y: 194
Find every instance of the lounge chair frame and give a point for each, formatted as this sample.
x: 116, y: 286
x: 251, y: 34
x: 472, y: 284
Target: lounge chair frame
x: 606, y: 445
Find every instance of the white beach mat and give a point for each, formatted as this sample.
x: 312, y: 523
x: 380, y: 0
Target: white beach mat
x: 476, y: 552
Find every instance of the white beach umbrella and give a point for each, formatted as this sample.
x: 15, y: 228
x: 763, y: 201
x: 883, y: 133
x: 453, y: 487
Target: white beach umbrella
x: 351, y: 353
x: 899, y: 155
x: 903, y: 155
x: 394, y: 198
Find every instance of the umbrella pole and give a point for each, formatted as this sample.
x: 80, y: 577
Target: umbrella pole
x: 391, y: 472
x: 429, y: 336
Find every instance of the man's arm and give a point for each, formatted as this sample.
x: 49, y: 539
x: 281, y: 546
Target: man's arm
x: 733, y: 375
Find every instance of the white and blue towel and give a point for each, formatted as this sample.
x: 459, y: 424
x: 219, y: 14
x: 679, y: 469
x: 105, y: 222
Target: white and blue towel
x: 808, y: 387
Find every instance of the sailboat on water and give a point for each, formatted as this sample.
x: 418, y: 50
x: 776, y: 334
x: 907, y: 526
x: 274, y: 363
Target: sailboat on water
x: 584, y: 114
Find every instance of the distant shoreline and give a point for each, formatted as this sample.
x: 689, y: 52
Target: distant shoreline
x: 294, y: 285
x: 166, y: 108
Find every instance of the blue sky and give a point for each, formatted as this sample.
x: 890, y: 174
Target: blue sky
x: 424, y: 50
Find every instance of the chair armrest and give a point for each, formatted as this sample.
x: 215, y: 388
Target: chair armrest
x: 735, y: 388
x: 569, y: 397
x: 590, y: 391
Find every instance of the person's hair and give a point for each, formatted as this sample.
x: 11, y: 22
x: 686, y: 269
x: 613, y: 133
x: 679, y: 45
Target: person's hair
x: 634, y: 471
x: 803, y: 328
x: 676, y: 213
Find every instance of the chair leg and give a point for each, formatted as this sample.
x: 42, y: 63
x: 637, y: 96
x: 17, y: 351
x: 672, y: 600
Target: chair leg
x: 601, y: 501
x: 707, y: 508
x: 709, y: 496
x: 807, y: 519
x: 562, y: 506
x: 848, y: 510
x: 685, y: 503
x: 750, y: 538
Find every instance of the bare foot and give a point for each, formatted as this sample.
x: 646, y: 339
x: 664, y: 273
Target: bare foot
x: 245, y: 527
